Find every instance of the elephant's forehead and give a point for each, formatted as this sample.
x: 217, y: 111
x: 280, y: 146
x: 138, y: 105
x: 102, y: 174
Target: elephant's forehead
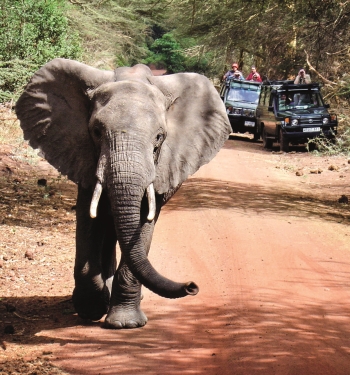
x: 128, y: 90
x: 128, y: 100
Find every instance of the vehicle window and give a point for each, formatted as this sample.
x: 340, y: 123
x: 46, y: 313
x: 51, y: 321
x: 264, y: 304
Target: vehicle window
x: 238, y: 94
x: 302, y: 99
x: 284, y: 100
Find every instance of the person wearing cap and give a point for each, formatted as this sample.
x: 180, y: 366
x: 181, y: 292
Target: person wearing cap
x: 254, y: 75
x: 302, y: 78
x: 231, y: 73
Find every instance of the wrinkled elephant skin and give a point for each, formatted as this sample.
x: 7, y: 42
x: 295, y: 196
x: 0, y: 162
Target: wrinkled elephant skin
x: 129, y: 140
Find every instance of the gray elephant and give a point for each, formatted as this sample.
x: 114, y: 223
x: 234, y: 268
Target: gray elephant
x: 128, y: 139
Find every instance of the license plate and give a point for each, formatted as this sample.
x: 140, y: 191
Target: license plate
x: 249, y: 123
x: 306, y: 130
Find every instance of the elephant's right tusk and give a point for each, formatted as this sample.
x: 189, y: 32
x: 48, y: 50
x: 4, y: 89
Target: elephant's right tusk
x: 151, y: 202
x: 95, y: 199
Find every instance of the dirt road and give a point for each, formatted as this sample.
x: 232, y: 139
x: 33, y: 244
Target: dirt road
x: 270, y: 252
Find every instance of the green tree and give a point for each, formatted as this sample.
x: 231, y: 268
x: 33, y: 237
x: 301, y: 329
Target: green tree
x: 277, y: 36
x: 32, y: 33
x: 117, y: 32
x: 166, y: 52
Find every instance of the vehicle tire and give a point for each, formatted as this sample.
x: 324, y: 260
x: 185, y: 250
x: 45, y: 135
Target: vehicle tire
x: 267, y: 143
x: 284, y: 142
x: 311, y: 146
x: 256, y: 136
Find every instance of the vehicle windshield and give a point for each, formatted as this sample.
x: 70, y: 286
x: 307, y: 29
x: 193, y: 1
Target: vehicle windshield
x: 243, y: 93
x: 239, y: 95
x: 301, y: 99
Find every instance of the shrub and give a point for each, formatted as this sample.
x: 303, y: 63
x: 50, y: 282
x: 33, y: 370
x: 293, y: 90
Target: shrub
x: 340, y: 145
x: 166, y: 52
x: 32, y: 33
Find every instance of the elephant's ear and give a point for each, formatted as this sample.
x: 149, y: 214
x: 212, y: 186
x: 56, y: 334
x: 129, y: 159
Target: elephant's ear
x: 54, y: 112
x: 196, y: 124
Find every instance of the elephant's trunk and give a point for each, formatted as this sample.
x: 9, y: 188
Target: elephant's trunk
x: 130, y: 240
x: 127, y: 185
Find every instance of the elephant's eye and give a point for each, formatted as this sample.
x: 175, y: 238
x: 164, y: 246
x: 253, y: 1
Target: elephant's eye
x: 97, y: 132
x: 157, y: 144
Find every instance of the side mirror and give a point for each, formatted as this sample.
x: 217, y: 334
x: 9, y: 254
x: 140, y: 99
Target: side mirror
x: 270, y: 108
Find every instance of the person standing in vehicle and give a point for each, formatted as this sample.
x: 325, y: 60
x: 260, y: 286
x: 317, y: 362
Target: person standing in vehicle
x: 254, y: 75
x: 238, y: 75
x: 302, y: 78
x: 231, y: 72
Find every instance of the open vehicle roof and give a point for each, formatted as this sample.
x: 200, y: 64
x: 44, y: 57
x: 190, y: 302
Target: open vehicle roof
x: 289, y: 85
x: 245, y: 85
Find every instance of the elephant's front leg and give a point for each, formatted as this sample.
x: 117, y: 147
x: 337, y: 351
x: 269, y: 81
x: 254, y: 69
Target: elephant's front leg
x: 95, y: 261
x: 125, y: 310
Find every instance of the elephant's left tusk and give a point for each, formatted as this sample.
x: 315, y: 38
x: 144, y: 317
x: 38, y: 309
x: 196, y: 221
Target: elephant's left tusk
x: 151, y: 202
x: 95, y: 199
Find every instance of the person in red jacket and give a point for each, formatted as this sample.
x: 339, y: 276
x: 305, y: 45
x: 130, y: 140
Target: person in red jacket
x: 254, y: 75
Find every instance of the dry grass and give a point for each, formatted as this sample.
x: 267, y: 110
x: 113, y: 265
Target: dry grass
x: 11, y: 134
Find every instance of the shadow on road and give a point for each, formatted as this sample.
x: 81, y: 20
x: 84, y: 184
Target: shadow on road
x: 199, y: 193
x: 246, y: 143
x: 263, y: 338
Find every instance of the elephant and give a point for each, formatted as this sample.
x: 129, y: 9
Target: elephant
x: 128, y: 139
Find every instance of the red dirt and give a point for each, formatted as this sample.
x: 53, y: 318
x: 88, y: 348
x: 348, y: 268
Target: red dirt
x: 268, y: 248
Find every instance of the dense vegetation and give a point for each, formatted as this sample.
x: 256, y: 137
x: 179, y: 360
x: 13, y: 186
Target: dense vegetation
x: 279, y: 37
x: 32, y: 33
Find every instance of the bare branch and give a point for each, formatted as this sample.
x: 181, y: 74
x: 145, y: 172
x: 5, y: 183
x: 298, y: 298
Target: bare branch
x: 314, y: 70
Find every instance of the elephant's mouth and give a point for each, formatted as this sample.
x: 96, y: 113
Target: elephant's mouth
x: 150, y: 197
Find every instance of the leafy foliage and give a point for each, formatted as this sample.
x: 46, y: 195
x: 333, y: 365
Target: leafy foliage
x: 165, y: 52
x: 13, y: 75
x: 341, y: 145
x: 33, y: 32
x: 279, y: 37
x: 116, y: 33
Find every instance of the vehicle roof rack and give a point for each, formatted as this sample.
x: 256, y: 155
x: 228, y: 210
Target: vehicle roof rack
x: 242, y: 81
x: 284, y: 84
x: 278, y: 82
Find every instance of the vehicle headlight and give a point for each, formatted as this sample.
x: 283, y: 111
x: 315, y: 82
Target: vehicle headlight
x: 248, y: 113
x: 236, y: 111
x: 295, y: 122
x: 325, y: 120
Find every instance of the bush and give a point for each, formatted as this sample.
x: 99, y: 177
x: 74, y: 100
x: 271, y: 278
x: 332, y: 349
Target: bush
x: 340, y: 145
x: 166, y: 52
x: 32, y: 33
x: 13, y: 75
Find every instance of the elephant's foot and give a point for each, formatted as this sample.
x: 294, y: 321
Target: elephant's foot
x: 120, y: 317
x: 90, y: 303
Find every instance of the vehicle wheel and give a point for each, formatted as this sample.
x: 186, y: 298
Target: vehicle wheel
x: 311, y: 146
x: 267, y: 143
x: 284, y: 143
x: 256, y: 136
